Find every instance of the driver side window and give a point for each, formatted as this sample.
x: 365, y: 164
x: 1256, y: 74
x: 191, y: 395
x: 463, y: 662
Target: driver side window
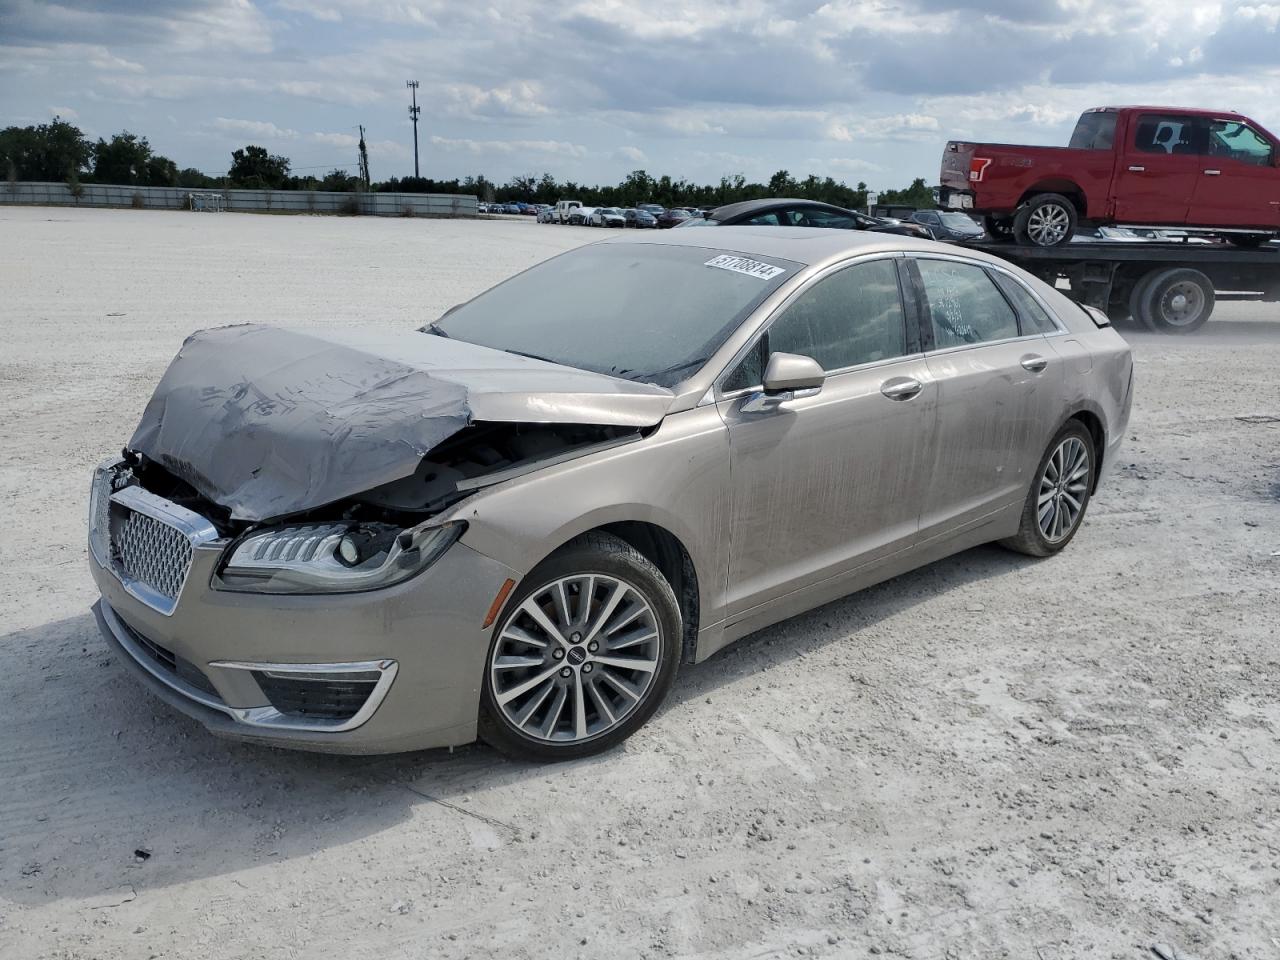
x: 851, y: 317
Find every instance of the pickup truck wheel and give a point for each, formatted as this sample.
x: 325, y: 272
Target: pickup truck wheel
x: 1174, y: 301
x: 1046, y: 220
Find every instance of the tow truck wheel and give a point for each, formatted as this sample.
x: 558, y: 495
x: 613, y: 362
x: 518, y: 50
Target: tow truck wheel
x: 1174, y: 301
x: 1046, y: 220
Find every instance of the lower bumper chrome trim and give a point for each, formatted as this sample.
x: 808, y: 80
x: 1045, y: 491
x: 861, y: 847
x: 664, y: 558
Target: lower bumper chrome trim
x: 265, y: 716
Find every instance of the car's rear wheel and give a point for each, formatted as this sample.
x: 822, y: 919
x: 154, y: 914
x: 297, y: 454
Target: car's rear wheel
x: 1046, y: 220
x: 1059, y: 494
x: 583, y: 654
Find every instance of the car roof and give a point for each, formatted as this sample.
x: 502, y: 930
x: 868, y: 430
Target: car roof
x: 810, y: 246
x: 769, y: 203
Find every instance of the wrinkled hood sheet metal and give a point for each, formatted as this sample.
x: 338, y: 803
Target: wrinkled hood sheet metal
x: 267, y: 421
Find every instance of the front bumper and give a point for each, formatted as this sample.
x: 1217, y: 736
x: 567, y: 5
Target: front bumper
x: 422, y: 640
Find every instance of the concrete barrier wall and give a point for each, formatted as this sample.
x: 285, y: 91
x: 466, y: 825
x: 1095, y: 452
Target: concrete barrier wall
x: 256, y: 201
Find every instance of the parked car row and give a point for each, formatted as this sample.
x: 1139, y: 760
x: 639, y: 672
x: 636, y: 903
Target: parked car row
x: 642, y: 216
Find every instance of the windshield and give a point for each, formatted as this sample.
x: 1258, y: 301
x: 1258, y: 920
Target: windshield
x: 646, y: 312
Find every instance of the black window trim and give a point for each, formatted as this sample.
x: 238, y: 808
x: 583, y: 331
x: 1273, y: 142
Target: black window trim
x: 761, y: 333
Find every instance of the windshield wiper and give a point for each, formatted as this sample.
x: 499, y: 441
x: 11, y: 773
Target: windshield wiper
x: 666, y: 371
x: 531, y: 356
x: 434, y: 328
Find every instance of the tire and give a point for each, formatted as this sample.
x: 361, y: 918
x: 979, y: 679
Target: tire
x: 555, y: 728
x: 999, y: 228
x: 1137, y: 298
x: 1032, y: 537
x: 1179, y: 301
x: 1046, y: 220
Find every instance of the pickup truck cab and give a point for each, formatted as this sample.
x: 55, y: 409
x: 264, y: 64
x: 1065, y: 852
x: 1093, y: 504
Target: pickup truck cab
x: 1207, y: 171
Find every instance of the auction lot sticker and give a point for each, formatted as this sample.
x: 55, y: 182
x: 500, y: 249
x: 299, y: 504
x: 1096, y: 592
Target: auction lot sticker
x: 752, y: 268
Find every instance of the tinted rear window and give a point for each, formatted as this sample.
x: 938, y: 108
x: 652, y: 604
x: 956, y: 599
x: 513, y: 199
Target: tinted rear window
x: 1094, y: 131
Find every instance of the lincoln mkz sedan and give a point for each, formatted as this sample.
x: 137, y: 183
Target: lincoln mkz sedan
x: 518, y: 522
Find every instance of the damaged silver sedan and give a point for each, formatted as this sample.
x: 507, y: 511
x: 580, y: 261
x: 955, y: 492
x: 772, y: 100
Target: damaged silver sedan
x: 519, y: 521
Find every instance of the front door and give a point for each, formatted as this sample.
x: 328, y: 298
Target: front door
x: 1157, y: 176
x: 827, y: 483
x: 1239, y: 184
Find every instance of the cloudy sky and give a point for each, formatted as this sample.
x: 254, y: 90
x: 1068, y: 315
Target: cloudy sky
x: 856, y: 89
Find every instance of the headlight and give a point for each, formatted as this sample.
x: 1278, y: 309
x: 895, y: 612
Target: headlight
x: 333, y: 558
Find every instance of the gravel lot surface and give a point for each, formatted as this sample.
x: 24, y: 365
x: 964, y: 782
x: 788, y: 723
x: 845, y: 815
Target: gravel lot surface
x: 990, y: 757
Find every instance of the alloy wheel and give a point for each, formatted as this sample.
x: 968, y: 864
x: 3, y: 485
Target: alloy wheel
x: 1063, y: 489
x: 1048, y: 224
x: 575, y: 658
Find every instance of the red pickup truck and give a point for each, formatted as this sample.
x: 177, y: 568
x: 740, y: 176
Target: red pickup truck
x: 1210, y: 171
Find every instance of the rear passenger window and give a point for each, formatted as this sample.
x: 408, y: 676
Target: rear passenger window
x: 853, y: 316
x: 964, y: 304
x: 1035, y: 319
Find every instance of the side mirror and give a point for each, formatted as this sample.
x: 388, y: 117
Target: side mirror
x: 787, y: 376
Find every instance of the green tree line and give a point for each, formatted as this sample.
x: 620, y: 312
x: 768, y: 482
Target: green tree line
x: 59, y: 151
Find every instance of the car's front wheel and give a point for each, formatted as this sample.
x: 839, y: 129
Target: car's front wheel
x: 583, y: 654
x: 1059, y: 494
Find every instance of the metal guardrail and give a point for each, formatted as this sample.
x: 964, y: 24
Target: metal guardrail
x: 256, y: 201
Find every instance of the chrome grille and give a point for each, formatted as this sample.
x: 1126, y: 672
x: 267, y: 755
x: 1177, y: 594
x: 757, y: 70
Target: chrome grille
x: 100, y: 519
x: 153, y: 553
x: 148, y: 542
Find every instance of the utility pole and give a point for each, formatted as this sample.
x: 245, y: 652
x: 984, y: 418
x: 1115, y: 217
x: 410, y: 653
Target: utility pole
x: 413, y: 115
x: 364, y: 160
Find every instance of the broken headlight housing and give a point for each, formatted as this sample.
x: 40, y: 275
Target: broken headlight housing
x: 332, y: 557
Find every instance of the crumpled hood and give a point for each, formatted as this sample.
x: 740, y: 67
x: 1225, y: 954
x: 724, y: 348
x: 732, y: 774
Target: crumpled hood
x: 267, y: 421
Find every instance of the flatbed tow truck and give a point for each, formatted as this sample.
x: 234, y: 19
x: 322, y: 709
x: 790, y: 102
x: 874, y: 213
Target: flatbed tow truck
x: 1167, y: 287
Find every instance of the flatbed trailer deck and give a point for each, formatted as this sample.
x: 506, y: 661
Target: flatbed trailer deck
x: 1166, y: 287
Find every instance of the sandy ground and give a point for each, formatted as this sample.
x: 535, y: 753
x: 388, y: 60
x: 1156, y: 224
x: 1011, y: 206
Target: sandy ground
x: 990, y: 757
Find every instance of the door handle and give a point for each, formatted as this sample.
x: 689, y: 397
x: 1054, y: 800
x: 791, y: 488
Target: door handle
x: 1137, y: 169
x: 901, y: 388
x: 1033, y: 363
x: 1213, y: 173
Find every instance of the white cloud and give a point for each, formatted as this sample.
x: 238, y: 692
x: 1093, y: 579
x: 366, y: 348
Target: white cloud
x: 481, y: 147
x: 319, y: 11
x: 518, y: 98
x: 66, y: 113
x: 254, y: 128
x: 631, y: 155
x: 108, y: 61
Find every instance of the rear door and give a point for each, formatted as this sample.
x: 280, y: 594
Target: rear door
x: 824, y: 484
x: 1239, y: 184
x: 999, y: 391
x: 1157, y: 176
